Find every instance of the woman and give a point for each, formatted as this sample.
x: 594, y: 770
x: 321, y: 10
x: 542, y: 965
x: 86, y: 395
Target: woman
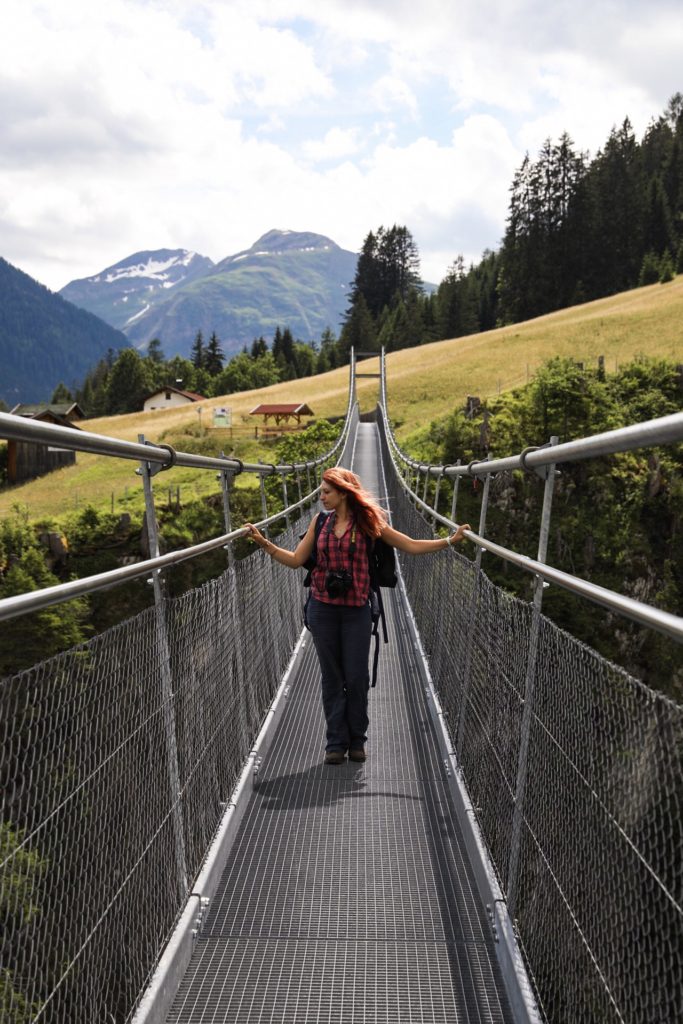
x: 339, y: 614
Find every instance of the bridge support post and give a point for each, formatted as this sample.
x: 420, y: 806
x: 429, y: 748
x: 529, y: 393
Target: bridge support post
x: 146, y: 471
x: 227, y: 478
x: 284, y: 496
x: 439, y: 478
x: 454, y: 503
x: 467, y: 668
x: 529, y: 683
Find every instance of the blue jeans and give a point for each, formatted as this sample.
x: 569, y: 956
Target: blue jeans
x: 341, y: 635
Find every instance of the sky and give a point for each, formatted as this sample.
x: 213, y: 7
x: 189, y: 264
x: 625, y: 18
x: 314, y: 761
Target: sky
x: 201, y: 124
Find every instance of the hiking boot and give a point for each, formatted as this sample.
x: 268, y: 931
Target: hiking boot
x: 334, y: 757
x: 357, y: 755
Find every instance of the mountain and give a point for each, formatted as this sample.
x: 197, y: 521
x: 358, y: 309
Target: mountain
x: 44, y: 339
x: 124, y: 292
x: 293, y: 279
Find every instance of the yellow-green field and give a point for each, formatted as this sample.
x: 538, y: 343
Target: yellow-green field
x: 423, y: 384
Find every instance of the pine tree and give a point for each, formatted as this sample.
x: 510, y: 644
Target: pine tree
x: 359, y: 330
x: 61, y: 395
x: 328, y: 357
x: 387, y: 270
x: 155, y: 352
x: 213, y: 356
x: 649, y: 270
x: 616, y: 221
x: 197, y: 351
x: 128, y: 383
x: 258, y: 347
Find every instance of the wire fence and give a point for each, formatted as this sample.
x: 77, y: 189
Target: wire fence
x: 580, y: 805
x: 117, y: 760
x: 99, y: 848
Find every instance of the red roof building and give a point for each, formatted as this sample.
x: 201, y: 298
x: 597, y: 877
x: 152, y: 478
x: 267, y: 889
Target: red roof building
x: 282, y: 411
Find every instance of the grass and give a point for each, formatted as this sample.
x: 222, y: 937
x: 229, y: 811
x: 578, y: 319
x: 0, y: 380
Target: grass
x: 423, y: 383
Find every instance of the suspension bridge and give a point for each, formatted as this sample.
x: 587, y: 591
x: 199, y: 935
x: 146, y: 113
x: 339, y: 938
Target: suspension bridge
x: 174, y: 850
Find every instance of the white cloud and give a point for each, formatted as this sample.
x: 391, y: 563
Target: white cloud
x: 390, y: 93
x: 201, y: 123
x: 337, y: 143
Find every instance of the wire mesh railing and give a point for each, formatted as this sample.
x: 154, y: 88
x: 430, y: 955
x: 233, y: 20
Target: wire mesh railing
x: 574, y: 768
x: 118, y: 757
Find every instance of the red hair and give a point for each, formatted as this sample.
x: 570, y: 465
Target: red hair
x: 371, y: 517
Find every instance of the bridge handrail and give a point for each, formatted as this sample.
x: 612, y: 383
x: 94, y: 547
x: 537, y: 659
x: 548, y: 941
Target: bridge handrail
x: 642, y: 613
x: 36, y: 600
x: 666, y: 429
x: 19, y: 428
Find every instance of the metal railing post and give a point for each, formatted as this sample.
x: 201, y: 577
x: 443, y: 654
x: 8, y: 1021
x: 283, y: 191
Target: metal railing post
x: 437, y: 489
x: 284, y: 496
x: 483, y: 513
x: 146, y: 471
x: 467, y: 668
x: 529, y: 684
x: 454, y: 503
x: 226, y: 478
x: 264, y: 502
x: 426, y: 486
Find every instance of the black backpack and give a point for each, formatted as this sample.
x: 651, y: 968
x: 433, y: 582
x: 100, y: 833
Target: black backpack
x: 382, y: 566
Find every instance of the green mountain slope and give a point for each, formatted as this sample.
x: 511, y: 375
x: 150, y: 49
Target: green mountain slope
x: 292, y: 279
x: 44, y: 339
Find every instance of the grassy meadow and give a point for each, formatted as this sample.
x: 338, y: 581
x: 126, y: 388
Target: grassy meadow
x: 423, y: 384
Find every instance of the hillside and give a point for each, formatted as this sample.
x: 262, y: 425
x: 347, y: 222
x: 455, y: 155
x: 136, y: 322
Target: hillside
x: 423, y: 384
x: 287, y: 278
x: 44, y: 339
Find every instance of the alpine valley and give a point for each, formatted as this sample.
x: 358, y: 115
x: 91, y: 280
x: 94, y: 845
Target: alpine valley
x: 289, y: 279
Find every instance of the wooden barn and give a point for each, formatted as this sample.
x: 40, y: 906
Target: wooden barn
x: 27, y: 460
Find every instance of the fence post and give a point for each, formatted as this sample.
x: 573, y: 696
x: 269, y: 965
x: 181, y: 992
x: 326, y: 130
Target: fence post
x: 529, y: 683
x: 146, y: 471
x: 467, y: 668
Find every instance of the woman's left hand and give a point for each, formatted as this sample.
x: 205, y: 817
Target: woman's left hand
x: 459, y: 534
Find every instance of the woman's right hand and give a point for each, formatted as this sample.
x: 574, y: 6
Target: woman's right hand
x: 255, y: 535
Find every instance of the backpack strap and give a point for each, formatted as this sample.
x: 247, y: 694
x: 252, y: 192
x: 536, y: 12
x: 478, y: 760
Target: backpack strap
x: 312, y: 560
x: 377, y: 607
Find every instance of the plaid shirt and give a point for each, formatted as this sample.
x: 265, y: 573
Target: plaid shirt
x: 334, y: 555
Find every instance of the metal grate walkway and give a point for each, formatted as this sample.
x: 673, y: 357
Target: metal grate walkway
x: 348, y: 895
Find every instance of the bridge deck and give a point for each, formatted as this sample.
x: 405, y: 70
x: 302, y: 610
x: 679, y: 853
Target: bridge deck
x: 348, y: 895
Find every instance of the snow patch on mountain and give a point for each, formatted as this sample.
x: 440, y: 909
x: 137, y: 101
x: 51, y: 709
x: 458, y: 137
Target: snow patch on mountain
x: 135, y: 316
x: 157, y: 270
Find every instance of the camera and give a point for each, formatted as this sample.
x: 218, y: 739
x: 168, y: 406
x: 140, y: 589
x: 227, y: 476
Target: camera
x: 337, y: 583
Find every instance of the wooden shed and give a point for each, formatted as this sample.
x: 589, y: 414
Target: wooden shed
x: 27, y: 460
x: 282, y: 412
